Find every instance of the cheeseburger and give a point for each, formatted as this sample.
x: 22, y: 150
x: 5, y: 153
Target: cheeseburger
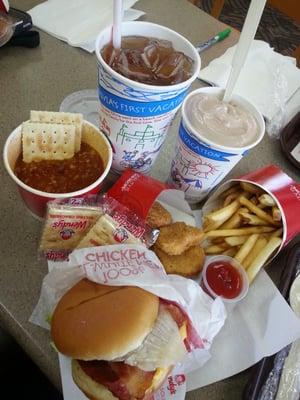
x: 123, y: 340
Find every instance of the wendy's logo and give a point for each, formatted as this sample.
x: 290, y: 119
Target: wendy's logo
x: 65, y: 234
x: 180, y: 379
x: 120, y: 234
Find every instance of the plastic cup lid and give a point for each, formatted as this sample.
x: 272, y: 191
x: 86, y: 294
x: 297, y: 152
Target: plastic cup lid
x: 85, y: 102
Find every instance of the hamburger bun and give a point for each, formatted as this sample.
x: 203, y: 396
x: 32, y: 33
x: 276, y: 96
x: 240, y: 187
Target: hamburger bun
x: 82, y: 326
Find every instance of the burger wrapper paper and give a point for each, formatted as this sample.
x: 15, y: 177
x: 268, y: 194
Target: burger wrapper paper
x: 132, y: 265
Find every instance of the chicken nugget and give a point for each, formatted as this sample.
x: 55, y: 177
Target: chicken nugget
x: 158, y: 216
x: 187, y: 264
x: 176, y: 238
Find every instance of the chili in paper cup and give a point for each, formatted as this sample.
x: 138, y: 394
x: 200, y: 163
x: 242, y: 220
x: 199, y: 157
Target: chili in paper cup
x: 36, y: 200
x: 282, y: 188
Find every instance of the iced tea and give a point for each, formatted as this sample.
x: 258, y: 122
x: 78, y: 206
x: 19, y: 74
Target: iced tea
x: 149, y: 60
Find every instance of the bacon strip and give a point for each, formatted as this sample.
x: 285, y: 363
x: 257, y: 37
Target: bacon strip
x: 124, y: 381
x: 193, y: 340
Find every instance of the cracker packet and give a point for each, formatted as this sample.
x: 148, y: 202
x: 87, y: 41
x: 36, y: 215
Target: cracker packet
x: 66, y: 224
x: 118, y: 224
x: 77, y: 223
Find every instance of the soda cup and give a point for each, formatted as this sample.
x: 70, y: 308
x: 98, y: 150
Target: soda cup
x: 199, y: 163
x: 136, y: 116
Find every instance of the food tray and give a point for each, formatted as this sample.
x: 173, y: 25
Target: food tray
x: 290, y: 141
x: 262, y: 369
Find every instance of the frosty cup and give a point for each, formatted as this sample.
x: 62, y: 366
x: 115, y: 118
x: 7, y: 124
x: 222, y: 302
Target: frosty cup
x: 135, y: 116
x: 200, y: 161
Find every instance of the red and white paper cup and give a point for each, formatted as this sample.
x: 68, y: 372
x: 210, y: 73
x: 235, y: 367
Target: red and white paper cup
x: 282, y: 188
x: 36, y: 200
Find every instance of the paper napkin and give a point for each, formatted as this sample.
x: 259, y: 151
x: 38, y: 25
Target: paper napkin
x: 78, y: 22
x: 268, y: 79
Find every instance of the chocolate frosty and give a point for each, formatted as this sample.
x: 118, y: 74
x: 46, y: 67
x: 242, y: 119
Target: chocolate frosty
x: 226, y: 124
x: 213, y: 137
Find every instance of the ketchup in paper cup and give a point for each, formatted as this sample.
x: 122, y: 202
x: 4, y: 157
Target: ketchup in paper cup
x: 36, y: 200
x: 225, y: 277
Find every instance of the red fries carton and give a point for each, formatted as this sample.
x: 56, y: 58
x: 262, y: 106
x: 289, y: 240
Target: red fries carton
x: 285, y: 191
x: 282, y: 188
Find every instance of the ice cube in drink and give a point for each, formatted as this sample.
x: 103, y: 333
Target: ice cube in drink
x: 149, y: 60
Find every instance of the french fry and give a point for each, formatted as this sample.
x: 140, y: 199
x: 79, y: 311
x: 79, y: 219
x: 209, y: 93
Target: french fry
x: 254, y: 200
x: 261, y: 206
x: 251, y: 219
x: 232, y: 196
x: 232, y: 189
x: 277, y: 233
x: 210, y: 226
x: 266, y: 200
x: 260, y: 213
x: 224, y: 213
x: 246, y: 248
x: 239, y: 231
x: 230, y: 252
x: 233, y: 222
x: 262, y: 257
x: 258, y: 246
x: 216, y: 249
x: 248, y: 187
x: 276, y: 214
x: 219, y: 240
x: 235, y: 240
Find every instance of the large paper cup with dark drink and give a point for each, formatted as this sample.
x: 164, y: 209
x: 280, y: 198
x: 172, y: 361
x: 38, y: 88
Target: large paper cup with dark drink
x: 141, y: 88
x: 213, y: 137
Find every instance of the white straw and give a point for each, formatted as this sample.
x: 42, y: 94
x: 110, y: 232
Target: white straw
x: 117, y: 22
x: 247, y: 35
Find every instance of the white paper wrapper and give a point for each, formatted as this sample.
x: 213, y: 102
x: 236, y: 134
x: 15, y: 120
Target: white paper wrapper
x: 131, y: 265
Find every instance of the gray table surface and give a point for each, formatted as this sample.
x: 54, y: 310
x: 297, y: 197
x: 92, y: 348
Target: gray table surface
x: 40, y: 79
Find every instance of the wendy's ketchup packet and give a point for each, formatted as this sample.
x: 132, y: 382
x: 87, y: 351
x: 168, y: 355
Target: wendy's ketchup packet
x: 137, y: 191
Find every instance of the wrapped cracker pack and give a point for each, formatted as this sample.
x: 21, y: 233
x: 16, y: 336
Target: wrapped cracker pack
x: 87, y: 222
x: 66, y: 224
